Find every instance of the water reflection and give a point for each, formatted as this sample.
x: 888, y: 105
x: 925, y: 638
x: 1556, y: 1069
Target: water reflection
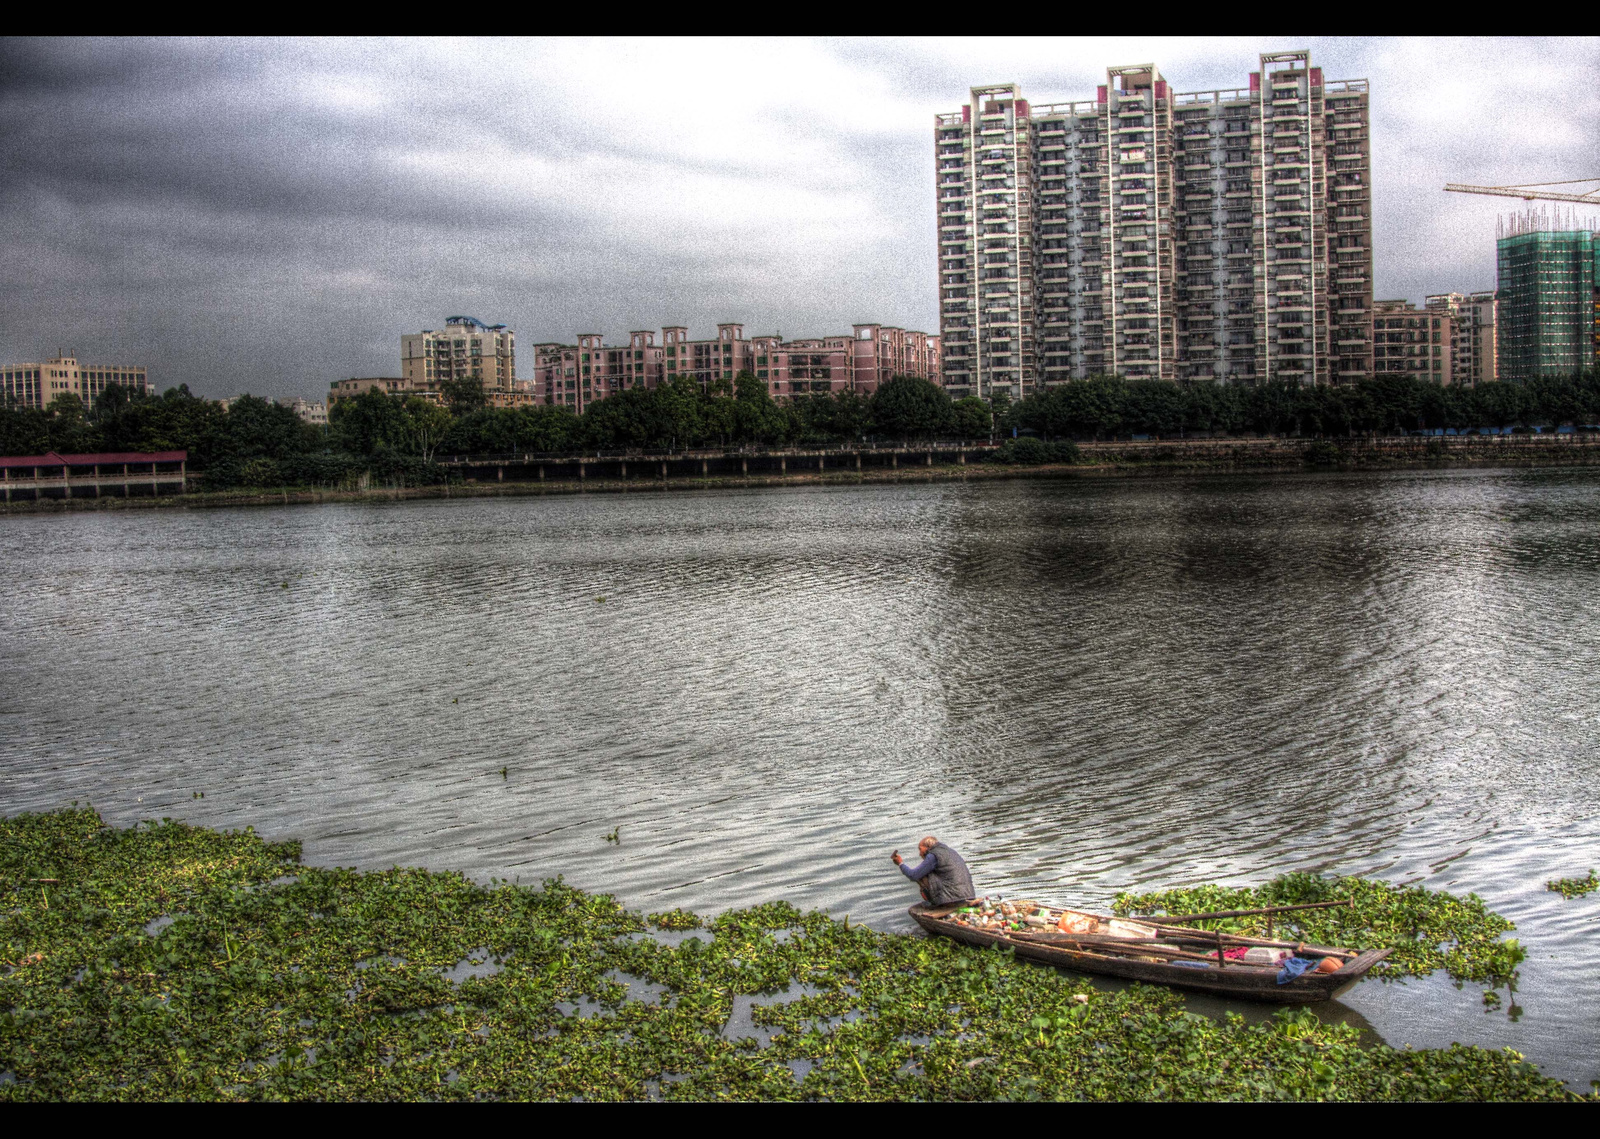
x: 1086, y: 686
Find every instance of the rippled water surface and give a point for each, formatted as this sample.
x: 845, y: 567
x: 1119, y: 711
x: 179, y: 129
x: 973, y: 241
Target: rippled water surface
x: 1085, y: 686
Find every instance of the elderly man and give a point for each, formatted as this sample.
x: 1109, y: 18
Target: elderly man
x: 941, y: 874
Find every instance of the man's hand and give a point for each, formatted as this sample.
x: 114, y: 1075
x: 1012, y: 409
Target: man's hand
x: 896, y: 858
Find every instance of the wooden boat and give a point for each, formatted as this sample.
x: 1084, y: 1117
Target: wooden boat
x: 1137, y: 959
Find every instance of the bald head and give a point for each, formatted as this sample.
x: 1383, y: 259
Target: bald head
x: 926, y: 845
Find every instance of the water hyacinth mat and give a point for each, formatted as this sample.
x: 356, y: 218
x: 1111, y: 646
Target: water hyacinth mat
x: 170, y: 962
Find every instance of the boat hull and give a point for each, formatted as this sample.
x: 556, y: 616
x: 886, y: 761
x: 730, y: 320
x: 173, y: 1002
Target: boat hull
x: 1235, y: 981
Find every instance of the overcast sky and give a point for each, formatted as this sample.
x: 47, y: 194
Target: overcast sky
x: 269, y: 216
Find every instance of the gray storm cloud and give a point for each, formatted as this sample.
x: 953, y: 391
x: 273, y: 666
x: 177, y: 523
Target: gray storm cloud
x: 268, y: 216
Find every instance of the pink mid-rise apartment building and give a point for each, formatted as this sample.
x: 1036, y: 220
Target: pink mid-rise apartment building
x: 576, y: 375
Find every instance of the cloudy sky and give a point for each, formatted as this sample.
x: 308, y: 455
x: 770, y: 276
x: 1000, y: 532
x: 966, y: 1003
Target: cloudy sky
x: 269, y: 216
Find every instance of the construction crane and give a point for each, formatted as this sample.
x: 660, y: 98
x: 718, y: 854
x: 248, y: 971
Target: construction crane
x: 1536, y: 192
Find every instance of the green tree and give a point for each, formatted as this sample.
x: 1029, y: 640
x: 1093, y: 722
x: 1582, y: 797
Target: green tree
x: 1002, y: 413
x: 547, y: 428
x: 630, y: 418
x: 110, y: 403
x: 679, y: 401
x: 909, y: 407
x: 1152, y: 407
x: 463, y: 394
x: 851, y: 415
x: 424, y: 426
x: 24, y: 431
x: 1211, y: 407
x: 368, y: 423
x: 756, y: 418
x: 257, y: 426
x: 715, y: 410
x: 972, y: 418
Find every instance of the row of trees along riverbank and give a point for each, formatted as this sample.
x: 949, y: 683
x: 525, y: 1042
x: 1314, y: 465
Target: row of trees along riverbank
x: 396, y: 439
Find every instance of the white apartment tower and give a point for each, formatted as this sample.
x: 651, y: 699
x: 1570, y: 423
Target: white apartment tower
x: 1210, y: 236
x: 985, y: 244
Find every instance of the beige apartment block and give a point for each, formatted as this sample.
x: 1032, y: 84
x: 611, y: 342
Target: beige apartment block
x: 389, y: 385
x: 465, y: 348
x: 1472, y: 346
x: 1412, y: 341
x: 35, y: 385
x: 519, y: 394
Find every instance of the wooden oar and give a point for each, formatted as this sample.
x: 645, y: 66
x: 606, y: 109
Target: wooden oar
x: 1183, y: 933
x: 1168, y: 920
x: 1180, y: 933
x: 1268, y: 910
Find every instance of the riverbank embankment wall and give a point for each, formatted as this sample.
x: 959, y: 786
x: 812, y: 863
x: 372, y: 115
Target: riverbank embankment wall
x: 479, y: 476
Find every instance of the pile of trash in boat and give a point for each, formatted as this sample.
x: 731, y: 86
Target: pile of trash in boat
x: 995, y: 915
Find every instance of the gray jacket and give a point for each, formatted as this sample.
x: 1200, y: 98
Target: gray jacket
x: 942, y: 875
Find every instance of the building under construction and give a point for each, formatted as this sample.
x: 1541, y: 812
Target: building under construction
x: 1208, y: 236
x: 1548, y: 295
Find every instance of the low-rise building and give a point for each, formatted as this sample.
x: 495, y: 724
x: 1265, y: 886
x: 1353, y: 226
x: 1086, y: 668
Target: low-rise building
x: 390, y: 385
x: 315, y: 414
x: 35, y: 385
x: 54, y: 475
x: 1412, y: 341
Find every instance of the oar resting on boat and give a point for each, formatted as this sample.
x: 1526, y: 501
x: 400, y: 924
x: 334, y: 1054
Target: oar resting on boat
x: 1159, y: 950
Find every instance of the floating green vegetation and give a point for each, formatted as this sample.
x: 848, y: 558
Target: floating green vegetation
x: 675, y: 919
x: 1428, y: 929
x: 172, y: 962
x: 1574, y: 887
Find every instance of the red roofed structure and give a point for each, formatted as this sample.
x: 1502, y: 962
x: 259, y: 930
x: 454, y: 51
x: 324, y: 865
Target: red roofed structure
x: 54, y: 475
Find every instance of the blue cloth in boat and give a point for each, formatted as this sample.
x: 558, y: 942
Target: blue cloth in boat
x: 943, y: 876
x: 1293, y: 967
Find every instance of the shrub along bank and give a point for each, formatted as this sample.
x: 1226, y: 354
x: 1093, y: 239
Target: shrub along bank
x: 173, y: 962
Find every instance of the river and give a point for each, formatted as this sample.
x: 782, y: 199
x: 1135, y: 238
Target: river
x: 1084, y: 685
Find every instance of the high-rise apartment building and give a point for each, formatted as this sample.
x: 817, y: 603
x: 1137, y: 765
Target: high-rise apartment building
x: 465, y: 348
x: 1548, y: 290
x: 1413, y: 341
x: 35, y: 385
x: 1208, y: 236
x: 1472, y: 345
